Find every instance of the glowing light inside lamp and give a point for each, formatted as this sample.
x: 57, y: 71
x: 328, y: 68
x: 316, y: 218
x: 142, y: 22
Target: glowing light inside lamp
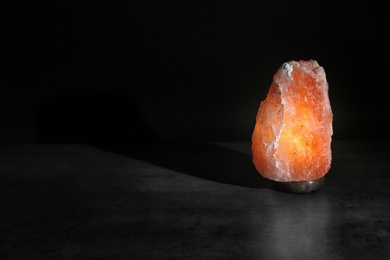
x: 291, y: 141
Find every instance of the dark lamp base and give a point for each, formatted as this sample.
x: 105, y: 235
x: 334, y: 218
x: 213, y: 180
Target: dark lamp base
x: 300, y: 186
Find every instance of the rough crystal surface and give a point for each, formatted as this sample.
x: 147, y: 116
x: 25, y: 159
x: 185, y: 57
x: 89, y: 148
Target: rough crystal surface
x: 291, y: 140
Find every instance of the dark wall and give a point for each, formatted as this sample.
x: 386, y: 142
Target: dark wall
x: 122, y: 71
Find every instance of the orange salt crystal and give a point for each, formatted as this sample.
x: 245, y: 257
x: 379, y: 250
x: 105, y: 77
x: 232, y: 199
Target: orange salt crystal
x: 291, y: 140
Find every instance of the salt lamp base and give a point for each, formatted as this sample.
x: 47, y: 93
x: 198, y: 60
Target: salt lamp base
x: 300, y: 186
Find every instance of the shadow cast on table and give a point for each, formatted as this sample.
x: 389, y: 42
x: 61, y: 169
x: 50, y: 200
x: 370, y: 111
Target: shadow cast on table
x: 202, y: 160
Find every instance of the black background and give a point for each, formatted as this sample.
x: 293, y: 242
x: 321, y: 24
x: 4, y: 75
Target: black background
x: 125, y: 71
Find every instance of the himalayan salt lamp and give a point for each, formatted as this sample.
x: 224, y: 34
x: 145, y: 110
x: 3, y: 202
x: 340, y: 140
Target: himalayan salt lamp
x: 291, y: 140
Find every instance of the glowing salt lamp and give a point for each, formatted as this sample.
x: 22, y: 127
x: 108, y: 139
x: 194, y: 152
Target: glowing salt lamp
x: 291, y: 140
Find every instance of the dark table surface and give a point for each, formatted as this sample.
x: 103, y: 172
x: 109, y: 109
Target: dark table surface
x: 187, y: 201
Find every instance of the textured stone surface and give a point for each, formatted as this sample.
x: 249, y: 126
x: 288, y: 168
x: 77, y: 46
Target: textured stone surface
x: 292, y: 137
x: 187, y: 201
